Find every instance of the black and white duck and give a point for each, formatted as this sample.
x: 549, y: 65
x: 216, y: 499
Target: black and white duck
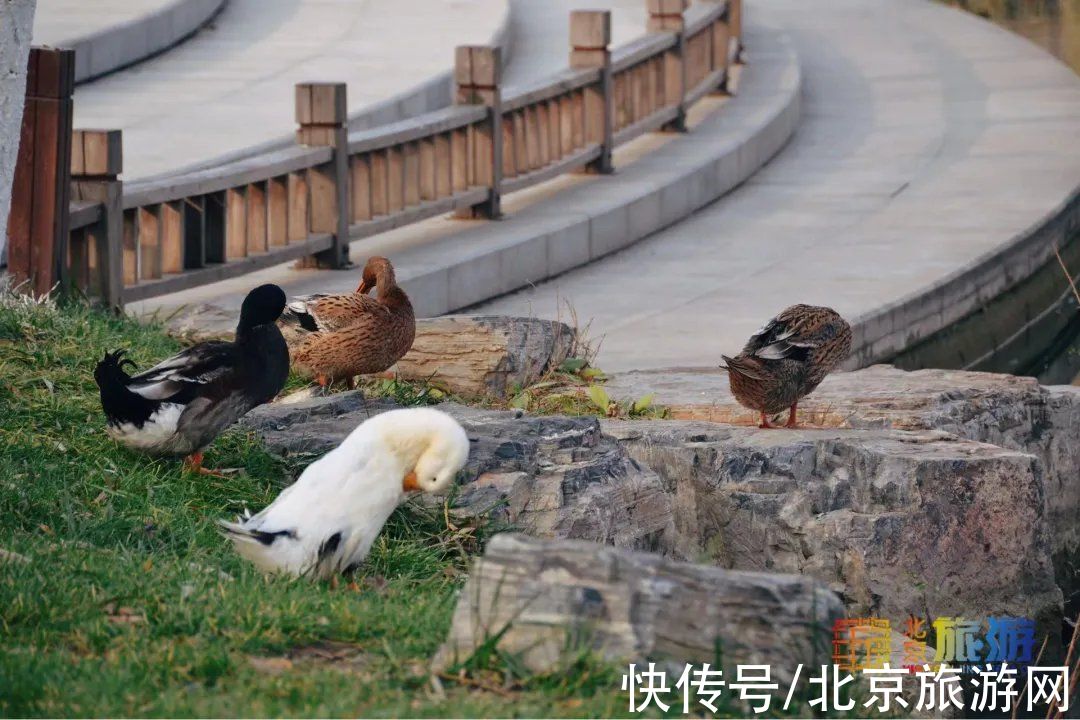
x: 179, y: 406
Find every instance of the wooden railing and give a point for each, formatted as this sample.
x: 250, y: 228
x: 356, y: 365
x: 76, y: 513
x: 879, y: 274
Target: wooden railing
x: 305, y: 203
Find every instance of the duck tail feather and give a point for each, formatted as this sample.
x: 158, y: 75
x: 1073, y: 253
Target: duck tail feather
x: 740, y: 366
x: 117, y: 399
x: 268, y: 551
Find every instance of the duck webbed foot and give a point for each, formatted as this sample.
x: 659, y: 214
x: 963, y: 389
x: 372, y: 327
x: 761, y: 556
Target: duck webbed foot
x: 193, y: 464
x: 764, y: 421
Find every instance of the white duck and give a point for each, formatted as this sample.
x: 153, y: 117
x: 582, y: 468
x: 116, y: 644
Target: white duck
x: 326, y: 521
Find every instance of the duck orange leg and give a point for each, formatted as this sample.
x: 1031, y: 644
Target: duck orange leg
x: 193, y: 464
x: 764, y: 421
x: 791, y: 421
x: 322, y: 380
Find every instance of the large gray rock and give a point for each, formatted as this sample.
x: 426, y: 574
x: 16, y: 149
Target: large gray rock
x: 1012, y: 412
x: 552, y: 597
x: 550, y: 476
x: 897, y: 522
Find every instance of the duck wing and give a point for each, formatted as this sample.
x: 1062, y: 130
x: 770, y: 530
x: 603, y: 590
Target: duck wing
x: 330, y: 313
x: 181, y: 377
x: 793, y: 334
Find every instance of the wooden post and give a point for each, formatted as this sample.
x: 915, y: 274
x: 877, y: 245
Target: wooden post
x: 735, y: 23
x: 590, y: 38
x: 667, y: 16
x: 96, y: 164
x: 321, y: 113
x: 478, y: 77
x: 38, y: 223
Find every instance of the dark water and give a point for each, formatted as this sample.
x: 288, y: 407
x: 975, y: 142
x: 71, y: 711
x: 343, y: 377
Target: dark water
x: 1053, y: 24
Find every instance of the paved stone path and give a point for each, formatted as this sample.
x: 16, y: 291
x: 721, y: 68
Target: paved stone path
x: 231, y: 86
x: 928, y: 138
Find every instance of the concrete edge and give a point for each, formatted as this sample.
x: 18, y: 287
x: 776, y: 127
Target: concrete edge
x: 434, y: 93
x: 658, y: 190
x: 126, y: 44
x: 883, y: 334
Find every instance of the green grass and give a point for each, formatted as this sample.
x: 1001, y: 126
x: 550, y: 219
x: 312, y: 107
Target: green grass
x: 130, y: 603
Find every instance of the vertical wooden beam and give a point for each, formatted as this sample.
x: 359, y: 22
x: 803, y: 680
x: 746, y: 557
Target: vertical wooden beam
x: 172, y: 237
x: 428, y: 170
x: 96, y: 164
x: 148, y: 228
x: 361, y: 187
x: 478, y: 78
x: 590, y: 38
x: 38, y: 223
x: 277, y: 212
x: 667, y: 16
x: 321, y: 113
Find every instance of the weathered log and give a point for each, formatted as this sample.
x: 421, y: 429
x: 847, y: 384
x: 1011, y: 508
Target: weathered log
x: 553, y: 598
x: 485, y: 355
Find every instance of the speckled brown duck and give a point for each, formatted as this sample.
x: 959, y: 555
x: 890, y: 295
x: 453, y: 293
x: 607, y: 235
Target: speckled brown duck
x: 337, y: 337
x: 785, y: 360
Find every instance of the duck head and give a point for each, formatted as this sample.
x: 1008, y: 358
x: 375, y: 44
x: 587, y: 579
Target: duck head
x: 378, y: 272
x: 431, y: 446
x: 262, y: 305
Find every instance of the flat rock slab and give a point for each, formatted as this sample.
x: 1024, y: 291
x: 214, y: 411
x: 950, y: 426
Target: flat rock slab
x: 552, y: 598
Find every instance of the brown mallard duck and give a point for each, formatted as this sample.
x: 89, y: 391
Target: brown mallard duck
x: 785, y: 360
x: 337, y: 337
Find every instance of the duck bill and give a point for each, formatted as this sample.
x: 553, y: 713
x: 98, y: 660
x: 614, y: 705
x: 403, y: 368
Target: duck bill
x: 410, y: 483
x: 363, y: 287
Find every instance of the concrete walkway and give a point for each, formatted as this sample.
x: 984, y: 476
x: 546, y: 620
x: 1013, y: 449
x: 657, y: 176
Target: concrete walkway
x: 231, y: 86
x: 929, y: 138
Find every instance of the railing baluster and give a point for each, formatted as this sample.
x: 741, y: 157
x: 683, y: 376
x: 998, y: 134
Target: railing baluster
x: 277, y: 212
x: 256, y: 218
x: 149, y: 230
x: 235, y: 223
x: 172, y: 237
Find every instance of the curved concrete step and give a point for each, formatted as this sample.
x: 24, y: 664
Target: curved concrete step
x: 108, y: 35
x: 228, y: 91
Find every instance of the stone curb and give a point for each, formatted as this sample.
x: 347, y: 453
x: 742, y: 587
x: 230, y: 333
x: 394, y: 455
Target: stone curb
x: 119, y: 46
